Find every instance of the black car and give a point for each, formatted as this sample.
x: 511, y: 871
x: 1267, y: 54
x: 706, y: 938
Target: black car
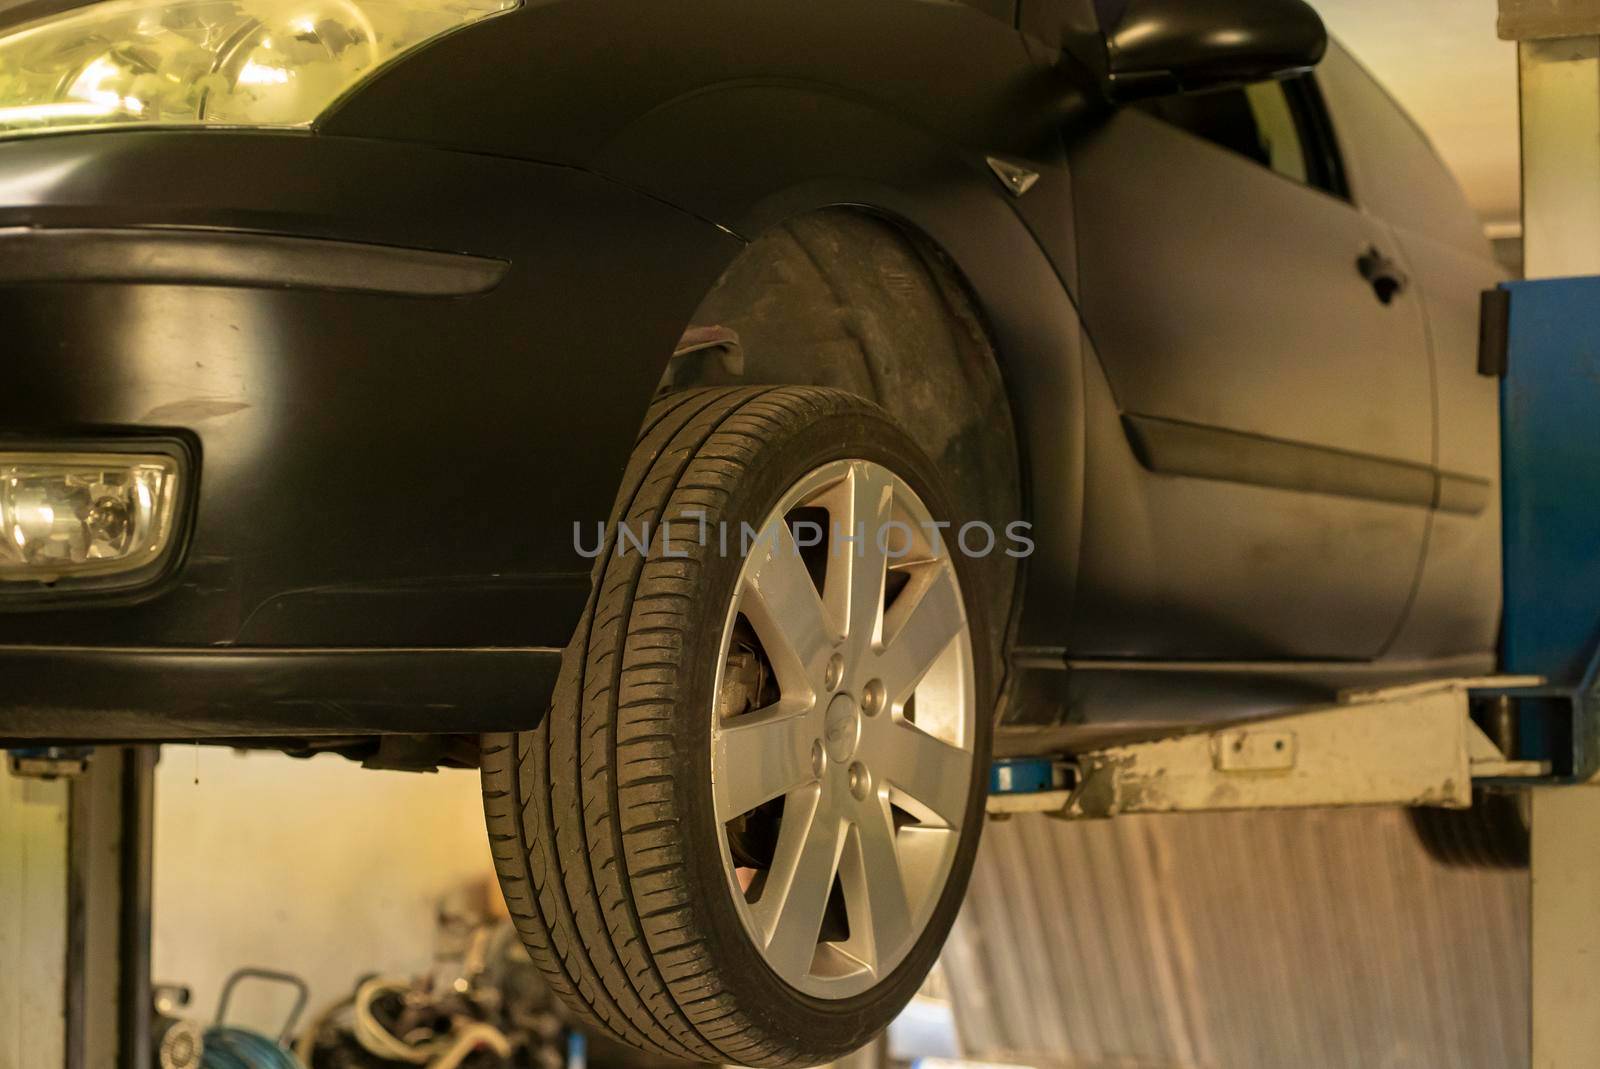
x: 800, y: 401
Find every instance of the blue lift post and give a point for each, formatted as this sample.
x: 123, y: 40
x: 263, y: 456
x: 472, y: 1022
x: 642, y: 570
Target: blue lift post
x: 1550, y: 478
x: 1550, y: 415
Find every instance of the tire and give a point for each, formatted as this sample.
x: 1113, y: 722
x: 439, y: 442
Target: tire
x: 1493, y: 834
x: 637, y: 884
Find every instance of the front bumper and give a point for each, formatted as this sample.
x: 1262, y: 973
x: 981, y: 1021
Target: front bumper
x: 163, y: 694
x: 405, y: 373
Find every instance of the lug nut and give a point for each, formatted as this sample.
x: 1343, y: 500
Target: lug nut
x: 819, y: 759
x: 835, y: 672
x: 873, y: 698
x: 860, y: 781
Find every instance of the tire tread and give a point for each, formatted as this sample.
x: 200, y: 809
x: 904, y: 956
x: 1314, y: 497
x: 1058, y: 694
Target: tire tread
x: 597, y: 891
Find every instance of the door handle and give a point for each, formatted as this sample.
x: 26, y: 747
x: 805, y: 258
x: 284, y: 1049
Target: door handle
x: 1382, y: 273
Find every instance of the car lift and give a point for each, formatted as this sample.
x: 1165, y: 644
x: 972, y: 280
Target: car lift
x: 75, y: 830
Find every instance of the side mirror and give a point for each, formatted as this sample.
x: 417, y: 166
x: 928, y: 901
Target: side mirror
x: 1161, y: 47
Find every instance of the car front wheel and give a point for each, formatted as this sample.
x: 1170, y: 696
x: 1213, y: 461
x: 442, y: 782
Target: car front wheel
x: 744, y: 829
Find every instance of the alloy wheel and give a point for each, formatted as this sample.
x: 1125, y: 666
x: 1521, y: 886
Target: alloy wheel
x: 843, y: 729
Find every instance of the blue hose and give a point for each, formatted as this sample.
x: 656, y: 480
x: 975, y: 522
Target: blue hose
x: 235, y: 1048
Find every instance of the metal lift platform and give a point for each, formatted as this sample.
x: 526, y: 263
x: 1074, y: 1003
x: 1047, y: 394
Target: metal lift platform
x: 1413, y: 745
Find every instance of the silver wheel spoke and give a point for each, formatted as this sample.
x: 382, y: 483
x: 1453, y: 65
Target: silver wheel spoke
x: 874, y: 887
x: 795, y: 897
x: 759, y: 756
x: 928, y: 771
x: 856, y: 571
x: 781, y: 602
x: 924, y: 621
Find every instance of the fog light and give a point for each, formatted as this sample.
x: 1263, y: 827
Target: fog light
x: 68, y: 516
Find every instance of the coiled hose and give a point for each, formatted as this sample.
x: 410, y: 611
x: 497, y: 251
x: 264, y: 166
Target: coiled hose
x: 227, y: 1047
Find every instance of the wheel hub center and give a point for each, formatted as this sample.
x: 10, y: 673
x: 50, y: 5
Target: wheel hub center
x: 842, y: 728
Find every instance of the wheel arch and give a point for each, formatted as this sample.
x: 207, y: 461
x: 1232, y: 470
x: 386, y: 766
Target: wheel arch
x: 754, y: 158
x: 1003, y: 283
x: 861, y: 300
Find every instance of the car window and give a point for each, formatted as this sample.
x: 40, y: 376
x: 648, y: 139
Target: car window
x: 1276, y: 130
x: 1279, y: 125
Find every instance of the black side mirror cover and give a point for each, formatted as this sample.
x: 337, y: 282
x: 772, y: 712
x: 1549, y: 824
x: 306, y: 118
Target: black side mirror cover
x: 1159, y: 47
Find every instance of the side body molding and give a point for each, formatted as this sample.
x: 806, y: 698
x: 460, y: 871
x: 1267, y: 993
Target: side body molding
x: 1173, y: 447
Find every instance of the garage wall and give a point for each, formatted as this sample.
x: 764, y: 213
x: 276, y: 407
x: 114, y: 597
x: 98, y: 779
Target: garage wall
x: 1238, y: 940
x: 1442, y: 60
x: 318, y: 867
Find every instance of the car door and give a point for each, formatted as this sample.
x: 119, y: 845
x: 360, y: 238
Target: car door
x: 1260, y: 427
x: 1399, y: 178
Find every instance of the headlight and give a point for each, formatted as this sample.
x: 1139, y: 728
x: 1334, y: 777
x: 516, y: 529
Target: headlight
x: 84, y: 515
x: 208, y: 62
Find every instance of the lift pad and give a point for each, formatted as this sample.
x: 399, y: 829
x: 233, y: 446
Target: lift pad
x: 1406, y: 745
